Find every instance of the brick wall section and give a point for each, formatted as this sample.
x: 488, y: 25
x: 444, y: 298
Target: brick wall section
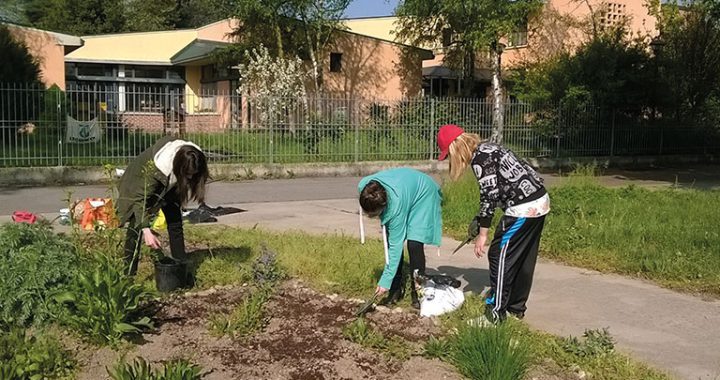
x: 203, y: 123
x: 153, y: 122
x: 146, y: 122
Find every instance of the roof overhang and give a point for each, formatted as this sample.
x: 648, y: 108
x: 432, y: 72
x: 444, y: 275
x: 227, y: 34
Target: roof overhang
x: 440, y: 71
x: 198, y: 52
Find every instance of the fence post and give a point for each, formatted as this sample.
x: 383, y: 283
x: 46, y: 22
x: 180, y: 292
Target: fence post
x: 612, y: 134
x: 354, y: 109
x: 432, y: 128
x: 58, y: 113
x: 272, y: 135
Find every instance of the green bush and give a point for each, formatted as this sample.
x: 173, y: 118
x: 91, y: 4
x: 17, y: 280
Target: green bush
x: 103, y: 303
x: 35, y: 263
x: 140, y: 369
x: 33, y: 358
x: 489, y: 353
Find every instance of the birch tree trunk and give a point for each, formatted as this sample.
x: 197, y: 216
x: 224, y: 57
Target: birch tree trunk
x: 498, y: 114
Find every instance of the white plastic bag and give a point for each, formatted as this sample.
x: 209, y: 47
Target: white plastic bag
x: 439, y: 299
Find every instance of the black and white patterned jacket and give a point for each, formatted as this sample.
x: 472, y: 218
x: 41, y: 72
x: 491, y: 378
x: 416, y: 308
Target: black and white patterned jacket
x: 507, y: 182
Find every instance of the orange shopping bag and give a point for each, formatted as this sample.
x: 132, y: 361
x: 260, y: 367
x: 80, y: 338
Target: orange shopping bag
x: 98, y: 211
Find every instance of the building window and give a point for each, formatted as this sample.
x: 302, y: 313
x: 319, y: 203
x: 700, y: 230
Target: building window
x: 613, y: 15
x: 335, y: 62
x: 208, y: 97
x: 519, y: 37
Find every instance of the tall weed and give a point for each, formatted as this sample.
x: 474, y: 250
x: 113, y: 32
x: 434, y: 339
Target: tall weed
x: 104, y: 304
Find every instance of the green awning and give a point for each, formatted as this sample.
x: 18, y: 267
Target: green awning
x: 197, y: 52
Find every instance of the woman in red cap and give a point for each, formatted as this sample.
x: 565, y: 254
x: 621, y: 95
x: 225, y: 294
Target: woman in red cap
x: 510, y: 183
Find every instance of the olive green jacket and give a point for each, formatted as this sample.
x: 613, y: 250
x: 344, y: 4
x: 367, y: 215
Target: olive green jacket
x: 143, y: 187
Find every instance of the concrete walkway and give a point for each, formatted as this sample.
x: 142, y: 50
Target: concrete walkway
x: 673, y: 331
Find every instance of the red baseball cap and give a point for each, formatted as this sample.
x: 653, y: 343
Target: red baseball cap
x: 446, y: 135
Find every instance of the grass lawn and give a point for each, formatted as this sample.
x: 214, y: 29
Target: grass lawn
x: 669, y: 236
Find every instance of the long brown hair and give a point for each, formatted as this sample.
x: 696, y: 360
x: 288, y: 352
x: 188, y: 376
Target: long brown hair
x: 191, y: 170
x: 461, y: 152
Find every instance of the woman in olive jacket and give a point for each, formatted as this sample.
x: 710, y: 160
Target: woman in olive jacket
x: 164, y: 177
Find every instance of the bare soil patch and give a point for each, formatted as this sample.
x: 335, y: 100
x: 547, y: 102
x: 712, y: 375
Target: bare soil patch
x: 302, y: 340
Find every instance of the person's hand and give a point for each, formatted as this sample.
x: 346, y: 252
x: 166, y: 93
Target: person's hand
x: 150, y: 239
x: 481, y: 243
x: 379, y: 291
x: 473, y: 229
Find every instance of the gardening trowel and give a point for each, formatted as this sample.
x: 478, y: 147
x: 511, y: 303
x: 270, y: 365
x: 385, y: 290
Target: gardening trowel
x: 366, y: 306
x: 469, y: 239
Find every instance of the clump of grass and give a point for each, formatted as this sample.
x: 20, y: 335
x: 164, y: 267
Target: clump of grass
x: 437, y: 348
x: 360, y: 332
x: 489, y: 353
x: 140, y: 369
x: 246, y: 319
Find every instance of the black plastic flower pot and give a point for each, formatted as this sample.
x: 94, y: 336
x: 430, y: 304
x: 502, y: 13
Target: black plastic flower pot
x: 170, y: 274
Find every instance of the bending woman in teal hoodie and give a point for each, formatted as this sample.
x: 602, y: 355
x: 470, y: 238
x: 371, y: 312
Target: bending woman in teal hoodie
x: 408, y: 204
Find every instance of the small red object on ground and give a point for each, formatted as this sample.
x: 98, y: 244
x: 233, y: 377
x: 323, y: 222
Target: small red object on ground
x: 24, y: 217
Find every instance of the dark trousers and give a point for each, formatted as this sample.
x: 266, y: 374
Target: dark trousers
x: 512, y: 256
x: 416, y: 253
x: 173, y: 215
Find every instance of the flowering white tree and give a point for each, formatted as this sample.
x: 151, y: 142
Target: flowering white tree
x: 276, y: 84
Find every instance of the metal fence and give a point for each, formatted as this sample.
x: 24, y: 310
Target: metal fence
x: 104, y: 124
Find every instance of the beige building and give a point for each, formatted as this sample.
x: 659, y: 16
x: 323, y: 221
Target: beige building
x: 562, y: 26
x: 141, y: 80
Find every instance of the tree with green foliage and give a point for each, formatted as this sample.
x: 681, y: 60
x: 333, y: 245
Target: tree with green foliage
x: 608, y: 71
x: 288, y: 28
x: 689, y: 59
x: 476, y: 27
x: 78, y: 17
x: 17, y: 64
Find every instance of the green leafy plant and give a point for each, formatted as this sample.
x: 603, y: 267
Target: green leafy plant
x: 265, y: 269
x: 140, y: 369
x: 24, y: 356
x: 35, y: 263
x: 104, y: 304
x: 360, y: 332
x: 438, y: 348
x: 247, y: 317
x: 596, y: 343
x: 489, y: 353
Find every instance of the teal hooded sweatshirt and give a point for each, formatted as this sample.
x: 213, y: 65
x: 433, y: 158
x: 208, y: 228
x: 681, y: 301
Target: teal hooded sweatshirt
x: 412, y: 213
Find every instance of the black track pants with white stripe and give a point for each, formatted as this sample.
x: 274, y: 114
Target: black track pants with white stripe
x: 512, y: 257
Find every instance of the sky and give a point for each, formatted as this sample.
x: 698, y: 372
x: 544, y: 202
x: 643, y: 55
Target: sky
x: 370, y: 8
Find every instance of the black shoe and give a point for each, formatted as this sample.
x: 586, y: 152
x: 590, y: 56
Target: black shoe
x: 414, y: 301
x: 515, y: 315
x: 393, y: 297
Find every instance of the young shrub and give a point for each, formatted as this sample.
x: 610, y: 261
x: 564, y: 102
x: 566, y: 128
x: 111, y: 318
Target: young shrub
x: 596, y: 343
x: 247, y: 317
x: 103, y: 303
x: 28, y: 357
x: 489, y: 353
x: 35, y: 263
x: 140, y: 369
